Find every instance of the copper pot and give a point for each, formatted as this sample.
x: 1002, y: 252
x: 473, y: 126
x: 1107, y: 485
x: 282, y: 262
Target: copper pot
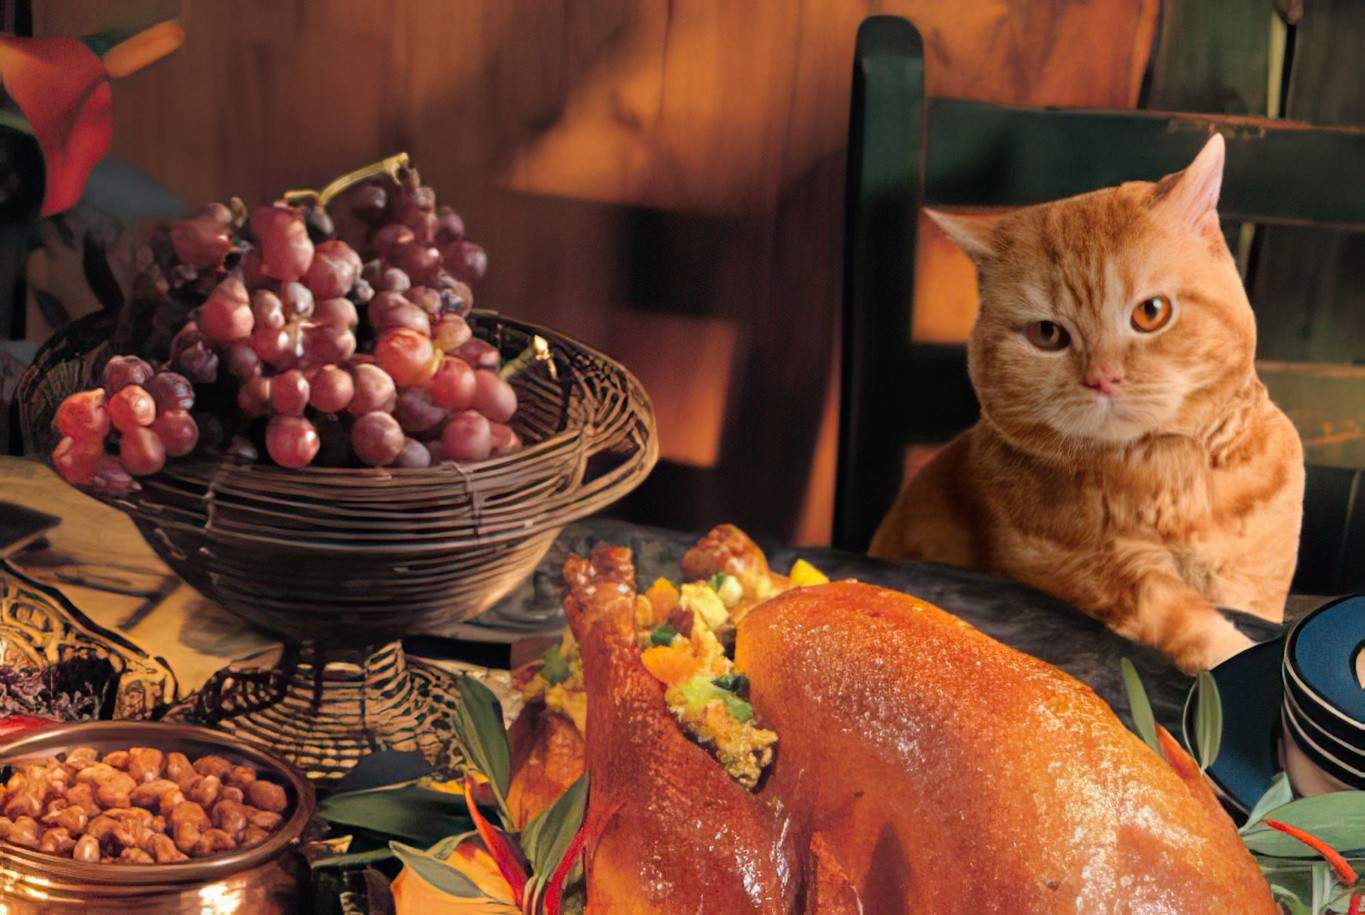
x: 266, y: 878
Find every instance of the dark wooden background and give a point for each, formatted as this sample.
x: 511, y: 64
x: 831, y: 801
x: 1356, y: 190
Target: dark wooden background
x: 663, y: 179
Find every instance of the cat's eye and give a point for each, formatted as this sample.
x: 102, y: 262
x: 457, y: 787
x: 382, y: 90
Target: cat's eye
x: 1152, y: 314
x: 1047, y: 335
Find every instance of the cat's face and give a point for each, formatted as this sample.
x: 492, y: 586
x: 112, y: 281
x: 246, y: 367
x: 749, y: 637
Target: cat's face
x: 1109, y: 316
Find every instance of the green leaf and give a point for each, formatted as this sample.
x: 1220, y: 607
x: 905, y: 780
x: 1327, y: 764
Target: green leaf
x: 439, y: 874
x: 663, y: 634
x: 1337, y: 819
x: 545, y: 838
x: 1290, y: 900
x: 1277, y: 795
x: 1208, y: 719
x: 482, y: 736
x: 443, y: 849
x: 353, y: 859
x: 413, y: 813
x: 1139, y: 706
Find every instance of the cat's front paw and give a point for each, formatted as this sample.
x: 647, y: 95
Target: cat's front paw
x: 1222, y: 640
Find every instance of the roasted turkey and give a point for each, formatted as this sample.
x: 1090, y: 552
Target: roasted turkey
x: 921, y: 767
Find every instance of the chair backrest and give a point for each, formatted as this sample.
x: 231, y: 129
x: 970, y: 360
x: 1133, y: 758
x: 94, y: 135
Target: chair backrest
x: 906, y: 151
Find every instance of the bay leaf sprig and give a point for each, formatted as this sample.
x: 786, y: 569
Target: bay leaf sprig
x: 1139, y: 706
x: 483, y: 740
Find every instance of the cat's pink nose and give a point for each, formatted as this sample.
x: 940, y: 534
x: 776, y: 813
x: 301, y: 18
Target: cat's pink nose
x: 1104, y: 378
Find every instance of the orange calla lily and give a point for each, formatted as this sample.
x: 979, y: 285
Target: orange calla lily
x: 63, y: 89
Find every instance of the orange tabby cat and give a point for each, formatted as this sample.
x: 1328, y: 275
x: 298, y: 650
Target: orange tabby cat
x: 1127, y: 458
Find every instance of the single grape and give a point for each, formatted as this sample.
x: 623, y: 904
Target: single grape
x: 267, y: 310
x: 177, y: 431
x: 270, y: 343
x: 242, y: 449
x: 370, y: 202
x: 286, y: 250
x: 392, y: 280
x: 505, y: 441
x: 289, y: 393
x: 407, y: 355
x: 377, y: 439
x: 226, y: 316
x: 406, y: 315
x: 171, y: 391
x: 361, y: 292
x: 242, y: 361
x: 330, y: 389
x: 382, y: 304
x: 291, y: 441
x: 427, y: 299
x: 121, y: 371
x: 414, y: 455
x: 334, y: 269
x: 390, y: 237
x: 374, y: 390
x: 494, y: 397
x: 453, y: 385
x: 253, y: 397
x: 319, y: 223
x: 324, y: 343
x: 449, y: 225
x: 198, y: 362
x: 338, y: 312
x: 297, y: 300
x: 78, y: 460
x: 131, y: 408
x: 451, y: 332
x: 142, y: 452
x: 82, y: 416
x: 458, y: 299
x: 467, y: 437
x: 465, y: 260
x: 201, y: 242
x: 408, y: 179
x: 415, y: 411
x: 479, y: 354
x: 419, y: 261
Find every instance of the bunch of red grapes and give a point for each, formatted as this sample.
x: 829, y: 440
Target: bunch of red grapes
x: 301, y: 349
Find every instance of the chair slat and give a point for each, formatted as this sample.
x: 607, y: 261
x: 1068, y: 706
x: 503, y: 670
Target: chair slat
x: 994, y: 155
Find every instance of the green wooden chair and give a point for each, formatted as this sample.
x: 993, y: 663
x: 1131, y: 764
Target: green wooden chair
x: 907, y: 151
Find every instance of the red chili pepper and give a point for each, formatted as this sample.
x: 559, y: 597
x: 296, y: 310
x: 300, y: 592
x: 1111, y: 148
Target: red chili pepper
x: 1355, y: 904
x: 554, y: 890
x: 1345, y: 873
x: 493, y: 839
x: 18, y: 724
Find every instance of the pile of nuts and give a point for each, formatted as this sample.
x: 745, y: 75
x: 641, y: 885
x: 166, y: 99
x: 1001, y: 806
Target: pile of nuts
x: 138, y: 806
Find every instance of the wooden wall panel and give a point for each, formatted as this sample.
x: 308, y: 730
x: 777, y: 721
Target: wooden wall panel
x: 638, y: 169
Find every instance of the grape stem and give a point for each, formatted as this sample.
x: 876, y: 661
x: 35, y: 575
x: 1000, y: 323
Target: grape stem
x: 538, y: 351
x: 389, y: 166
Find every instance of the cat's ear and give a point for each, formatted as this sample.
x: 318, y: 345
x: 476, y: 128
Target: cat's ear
x: 1189, y: 198
x: 974, y: 233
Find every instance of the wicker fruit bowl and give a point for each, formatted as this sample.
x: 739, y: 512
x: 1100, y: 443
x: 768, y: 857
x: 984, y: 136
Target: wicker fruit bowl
x: 336, y: 558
